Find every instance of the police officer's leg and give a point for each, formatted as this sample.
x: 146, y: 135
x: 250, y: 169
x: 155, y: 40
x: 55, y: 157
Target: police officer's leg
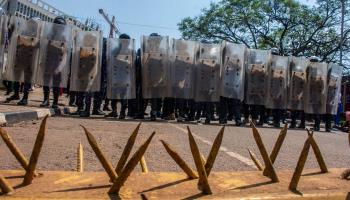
x: 114, y: 112
x: 96, y: 110
x: 302, y: 120
x: 79, y: 102
x: 328, y: 120
x: 46, y: 101
x: 86, y: 112
x: 191, y: 110
x: 106, y: 105
x: 237, y: 109
x: 154, y: 108
x: 159, y: 106
x: 124, y: 106
x: 317, y: 124
x: 15, y: 96
x: 223, y: 110
x: 24, y: 100
x: 293, y: 116
x: 276, y: 117
x: 255, y: 113
x: 56, y: 95
x: 72, y: 98
x: 208, y: 111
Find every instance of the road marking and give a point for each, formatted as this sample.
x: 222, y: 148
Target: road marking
x: 235, y: 155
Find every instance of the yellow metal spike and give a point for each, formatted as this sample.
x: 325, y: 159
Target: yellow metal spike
x: 103, y: 160
x: 203, y: 159
x: 143, y: 164
x: 317, y: 152
x: 300, y: 166
x: 14, y: 149
x: 179, y: 161
x: 203, y: 183
x: 268, y: 164
x: 130, y: 166
x: 256, y: 161
x: 28, y: 177
x: 277, y: 146
x: 5, y: 186
x: 127, y: 150
x: 214, y: 151
x: 80, y: 159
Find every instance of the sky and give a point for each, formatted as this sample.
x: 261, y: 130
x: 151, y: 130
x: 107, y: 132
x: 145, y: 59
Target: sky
x: 162, y: 15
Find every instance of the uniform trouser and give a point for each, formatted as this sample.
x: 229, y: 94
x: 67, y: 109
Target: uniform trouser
x: 56, y: 93
x: 168, y: 106
x: 80, y: 100
x: 8, y: 85
x: 246, y: 111
x: 26, y: 88
x: 132, y: 107
x: 328, y: 119
x: 123, y: 103
x: 209, y: 110
x: 155, y: 106
x: 277, y: 114
x: 258, y: 111
x: 181, y: 105
x: 228, y: 105
x: 294, y: 115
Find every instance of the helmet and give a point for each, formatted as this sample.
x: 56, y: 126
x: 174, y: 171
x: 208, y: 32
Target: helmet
x: 154, y: 35
x: 314, y: 59
x: 274, y: 51
x: 59, y: 20
x: 124, y: 36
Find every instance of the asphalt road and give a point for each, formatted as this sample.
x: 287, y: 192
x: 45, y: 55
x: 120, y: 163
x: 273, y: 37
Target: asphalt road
x: 64, y: 135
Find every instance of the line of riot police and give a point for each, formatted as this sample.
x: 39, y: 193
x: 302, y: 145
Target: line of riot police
x: 180, y: 79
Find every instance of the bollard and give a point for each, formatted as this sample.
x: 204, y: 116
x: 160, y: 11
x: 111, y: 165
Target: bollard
x: 203, y: 184
x: 143, y: 164
x: 80, y: 159
x: 103, y: 160
x: 255, y: 160
x: 130, y: 166
x: 277, y: 146
x: 214, y: 151
x: 5, y: 186
x: 300, y: 166
x: 317, y: 152
x: 179, y: 161
x: 268, y: 164
x: 127, y: 150
x: 15, y: 150
x: 28, y: 177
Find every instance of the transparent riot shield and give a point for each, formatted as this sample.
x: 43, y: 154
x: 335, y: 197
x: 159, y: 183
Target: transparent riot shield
x: 23, y: 54
x: 335, y: 73
x: 55, y: 52
x: 232, y: 71
x: 155, y: 66
x: 316, y: 88
x: 277, y: 82
x: 3, y: 42
x: 86, y: 61
x: 297, y: 83
x: 208, y: 64
x: 121, y: 69
x: 256, y: 77
x: 182, y: 69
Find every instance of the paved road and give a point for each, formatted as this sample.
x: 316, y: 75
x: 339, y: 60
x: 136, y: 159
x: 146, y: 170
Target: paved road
x: 64, y: 134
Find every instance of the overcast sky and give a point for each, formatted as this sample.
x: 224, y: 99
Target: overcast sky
x: 138, y: 17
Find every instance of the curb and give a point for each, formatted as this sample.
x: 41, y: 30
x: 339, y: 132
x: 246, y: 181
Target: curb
x: 17, y: 117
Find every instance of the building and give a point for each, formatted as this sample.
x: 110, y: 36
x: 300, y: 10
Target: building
x: 46, y: 12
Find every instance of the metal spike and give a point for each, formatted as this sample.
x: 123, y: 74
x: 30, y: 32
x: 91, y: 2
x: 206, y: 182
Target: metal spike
x: 127, y: 150
x: 277, y: 146
x: 80, y: 159
x: 300, y: 166
x: 5, y: 186
x: 103, y: 160
x: 28, y: 177
x: 179, y: 161
x: 143, y: 164
x: 214, y: 151
x: 255, y: 160
x: 268, y: 164
x: 203, y: 183
x: 14, y: 149
x: 203, y: 159
x: 130, y: 166
x: 317, y: 152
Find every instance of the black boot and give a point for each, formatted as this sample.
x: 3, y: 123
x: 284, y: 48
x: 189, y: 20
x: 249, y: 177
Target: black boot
x: 23, y: 102
x: 112, y: 114
x: 46, y: 102
x: 56, y: 94
x: 97, y: 112
x: 13, y: 97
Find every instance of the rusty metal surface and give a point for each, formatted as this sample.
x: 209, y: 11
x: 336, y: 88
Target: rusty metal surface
x: 173, y: 185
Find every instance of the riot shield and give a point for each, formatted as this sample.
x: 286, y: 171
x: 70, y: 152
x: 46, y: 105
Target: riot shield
x: 297, y: 83
x: 277, y: 82
x: 3, y: 42
x: 256, y: 77
x: 121, y: 69
x: 207, y: 73
x: 86, y: 62
x: 316, y: 88
x: 55, y: 52
x: 23, y: 54
x: 334, y: 79
x: 232, y: 71
x: 182, y: 69
x: 155, y: 66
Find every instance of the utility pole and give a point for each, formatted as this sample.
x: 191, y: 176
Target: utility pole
x: 113, y: 27
x: 341, y: 50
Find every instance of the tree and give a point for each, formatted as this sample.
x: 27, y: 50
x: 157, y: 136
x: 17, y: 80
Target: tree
x: 294, y: 28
